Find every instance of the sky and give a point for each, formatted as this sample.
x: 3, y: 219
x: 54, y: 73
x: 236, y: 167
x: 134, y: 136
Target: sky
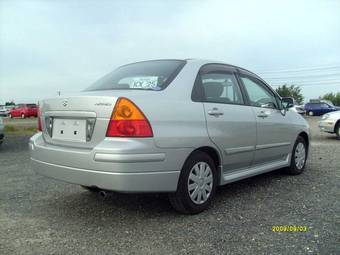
x: 51, y: 46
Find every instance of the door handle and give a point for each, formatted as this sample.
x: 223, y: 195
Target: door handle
x: 263, y: 114
x: 215, y: 112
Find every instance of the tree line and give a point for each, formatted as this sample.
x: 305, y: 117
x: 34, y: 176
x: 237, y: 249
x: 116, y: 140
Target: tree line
x: 295, y: 92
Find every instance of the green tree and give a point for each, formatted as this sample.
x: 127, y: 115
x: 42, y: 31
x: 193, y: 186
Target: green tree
x: 9, y: 103
x: 291, y: 91
x: 333, y: 97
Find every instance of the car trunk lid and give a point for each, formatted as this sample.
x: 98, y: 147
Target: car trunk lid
x: 78, y: 121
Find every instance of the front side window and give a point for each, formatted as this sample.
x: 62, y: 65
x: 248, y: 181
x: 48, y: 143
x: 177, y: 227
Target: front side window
x: 221, y: 88
x: 325, y: 106
x: 147, y: 75
x: 259, y: 95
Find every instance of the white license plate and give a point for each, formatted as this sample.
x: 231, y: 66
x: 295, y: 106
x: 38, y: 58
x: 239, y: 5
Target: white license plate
x: 69, y: 130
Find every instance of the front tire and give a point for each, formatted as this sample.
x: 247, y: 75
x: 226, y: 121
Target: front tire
x: 196, y: 186
x: 299, y: 157
x: 337, y: 131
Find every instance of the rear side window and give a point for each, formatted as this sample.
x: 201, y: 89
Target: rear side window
x: 221, y: 88
x: 147, y: 75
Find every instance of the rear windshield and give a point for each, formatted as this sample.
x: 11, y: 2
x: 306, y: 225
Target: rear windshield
x: 147, y: 75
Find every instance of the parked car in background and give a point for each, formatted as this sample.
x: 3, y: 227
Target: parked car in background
x: 1, y: 130
x: 4, y: 111
x: 24, y: 111
x: 177, y: 126
x: 330, y: 123
x: 319, y: 107
x: 293, y: 106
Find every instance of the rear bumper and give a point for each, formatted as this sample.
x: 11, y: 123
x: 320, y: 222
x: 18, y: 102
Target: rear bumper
x: 122, y: 182
x: 118, y: 165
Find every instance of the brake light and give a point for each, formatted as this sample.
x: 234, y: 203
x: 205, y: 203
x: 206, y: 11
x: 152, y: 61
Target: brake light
x: 39, y: 119
x: 127, y: 120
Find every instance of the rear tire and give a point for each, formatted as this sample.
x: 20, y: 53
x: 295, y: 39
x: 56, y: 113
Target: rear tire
x: 310, y: 113
x: 196, y: 186
x: 299, y: 157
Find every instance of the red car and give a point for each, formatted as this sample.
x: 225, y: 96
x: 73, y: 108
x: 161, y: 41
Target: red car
x: 24, y: 111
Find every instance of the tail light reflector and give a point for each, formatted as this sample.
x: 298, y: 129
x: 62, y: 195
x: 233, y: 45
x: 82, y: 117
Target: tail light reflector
x: 128, y: 120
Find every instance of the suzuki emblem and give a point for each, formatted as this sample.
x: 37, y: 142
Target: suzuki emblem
x: 65, y: 102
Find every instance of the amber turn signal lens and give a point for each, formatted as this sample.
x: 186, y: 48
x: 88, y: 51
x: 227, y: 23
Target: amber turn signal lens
x: 125, y: 109
x: 128, y: 120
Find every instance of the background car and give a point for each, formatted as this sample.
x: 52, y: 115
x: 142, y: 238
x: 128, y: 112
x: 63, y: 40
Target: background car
x: 319, y: 107
x: 330, y: 123
x: 4, y: 111
x: 24, y: 111
x: 1, y: 130
x: 293, y: 106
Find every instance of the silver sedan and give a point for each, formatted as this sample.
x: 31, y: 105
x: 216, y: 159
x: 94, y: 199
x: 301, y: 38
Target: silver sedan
x: 178, y: 126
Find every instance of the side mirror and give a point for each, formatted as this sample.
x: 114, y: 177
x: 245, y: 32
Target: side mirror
x: 287, y: 102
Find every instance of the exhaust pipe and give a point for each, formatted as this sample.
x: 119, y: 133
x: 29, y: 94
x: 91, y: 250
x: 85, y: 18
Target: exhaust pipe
x: 103, y: 194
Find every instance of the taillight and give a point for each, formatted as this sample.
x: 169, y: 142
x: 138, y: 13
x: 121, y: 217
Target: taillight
x: 39, y: 119
x: 128, y: 120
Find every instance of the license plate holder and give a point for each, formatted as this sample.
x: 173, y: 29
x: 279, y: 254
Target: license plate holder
x: 69, y: 129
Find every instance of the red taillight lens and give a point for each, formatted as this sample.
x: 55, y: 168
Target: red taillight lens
x: 39, y: 119
x: 127, y: 120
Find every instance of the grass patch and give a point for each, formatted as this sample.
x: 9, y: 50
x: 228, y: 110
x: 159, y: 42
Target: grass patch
x: 19, y: 130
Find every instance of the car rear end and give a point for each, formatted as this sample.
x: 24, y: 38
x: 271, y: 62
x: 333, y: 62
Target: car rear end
x: 4, y: 112
x: 104, y: 137
x: 32, y: 110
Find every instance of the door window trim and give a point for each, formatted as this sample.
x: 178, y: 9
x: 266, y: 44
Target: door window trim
x: 197, y: 94
x: 263, y: 85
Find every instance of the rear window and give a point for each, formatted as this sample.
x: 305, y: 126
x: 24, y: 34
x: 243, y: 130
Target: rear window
x: 147, y: 75
x: 32, y: 106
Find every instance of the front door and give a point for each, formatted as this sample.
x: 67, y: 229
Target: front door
x: 274, y: 134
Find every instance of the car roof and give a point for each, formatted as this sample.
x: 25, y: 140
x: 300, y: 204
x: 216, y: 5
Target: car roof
x: 207, y: 61
x: 197, y: 61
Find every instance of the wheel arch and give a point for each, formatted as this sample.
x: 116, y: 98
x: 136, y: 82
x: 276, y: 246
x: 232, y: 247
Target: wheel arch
x: 305, y: 136
x: 215, y: 155
x: 336, y: 125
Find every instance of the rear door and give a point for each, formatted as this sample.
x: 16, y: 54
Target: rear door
x: 274, y: 132
x: 231, y: 124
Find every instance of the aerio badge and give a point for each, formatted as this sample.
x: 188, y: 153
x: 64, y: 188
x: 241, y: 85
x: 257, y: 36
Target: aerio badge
x: 65, y: 102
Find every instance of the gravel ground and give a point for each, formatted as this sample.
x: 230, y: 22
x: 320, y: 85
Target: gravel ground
x: 43, y: 216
